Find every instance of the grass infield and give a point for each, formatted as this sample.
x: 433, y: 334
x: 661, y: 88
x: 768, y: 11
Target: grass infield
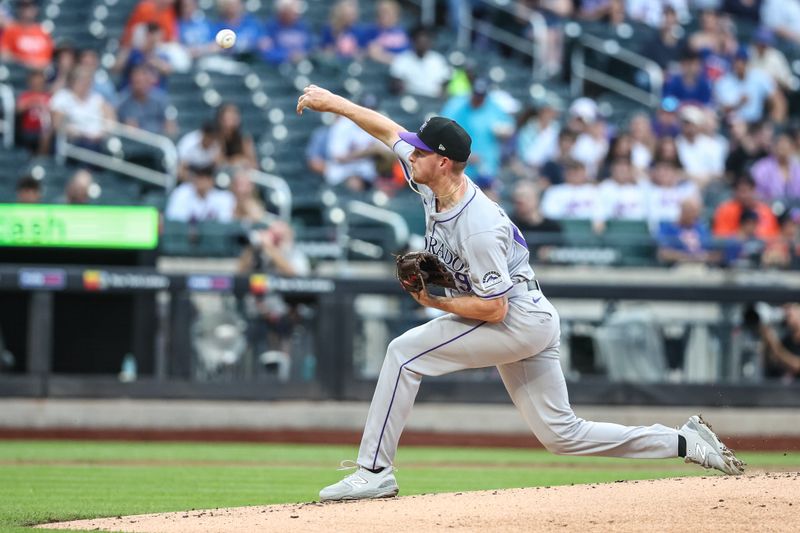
x: 44, y: 481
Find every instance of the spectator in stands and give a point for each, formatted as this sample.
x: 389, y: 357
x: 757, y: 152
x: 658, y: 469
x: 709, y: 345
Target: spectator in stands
x: 702, y: 156
x: 745, y: 248
x: 33, y: 114
x: 783, y: 18
x: 744, y: 92
x: 621, y: 196
x: 719, y: 55
x: 591, y: 144
x: 29, y: 190
x: 420, y: 71
x: 690, y: 85
x: 159, y: 12
x: 387, y: 38
x: 666, y: 122
x: 199, y: 148
x: 272, y: 251
x: 78, y: 190
x: 249, y: 207
x: 287, y: 38
x: 195, y: 31
x: 667, y: 150
x: 102, y: 83
x: 351, y: 153
x: 765, y: 57
x: 488, y: 124
x: 64, y: 60
x: 145, y: 51
x: 81, y: 111
x: 593, y: 9
x: 687, y: 240
x: 643, y: 141
x: 537, y: 137
x: 784, y: 251
x: 728, y: 215
x: 743, y: 9
x: 552, y: 172
x: 747, y: 144
x: 664, y: 47
x: 655, y: 12
x: 525, y: 210
x: 198, y: 200
x: 616, y: 13
x: 556, y: 13
x: 248, y: 30
x: 238, y: 147
x: 667, y: 192
x: 782, y: 353
x: 145, y: 106
x: 25, y: 41
x: 317, y: 150
x: 344, y: 37
x: 710, y: 28
x: 575, y: 198
x: 777, y: 176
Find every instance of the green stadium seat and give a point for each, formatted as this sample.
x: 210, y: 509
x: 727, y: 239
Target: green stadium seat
x: 634, y: 241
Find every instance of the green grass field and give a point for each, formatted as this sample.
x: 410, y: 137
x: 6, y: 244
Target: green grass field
x: 43, y: 481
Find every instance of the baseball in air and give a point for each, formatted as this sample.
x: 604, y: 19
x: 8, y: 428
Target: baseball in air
x: 226, y: 38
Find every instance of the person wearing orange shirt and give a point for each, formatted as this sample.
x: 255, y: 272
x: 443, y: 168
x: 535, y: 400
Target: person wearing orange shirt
x: 161, y: 12
x: 25, y: 41
x: 728, y: 214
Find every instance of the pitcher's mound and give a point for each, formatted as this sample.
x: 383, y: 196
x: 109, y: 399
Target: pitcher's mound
x: 764, y: 502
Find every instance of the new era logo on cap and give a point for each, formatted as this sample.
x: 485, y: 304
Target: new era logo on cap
x: 448, y: 138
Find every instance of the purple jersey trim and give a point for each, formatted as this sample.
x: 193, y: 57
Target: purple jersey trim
x: 519, y: 238
x: 474, y: 194
x: 397, y: 382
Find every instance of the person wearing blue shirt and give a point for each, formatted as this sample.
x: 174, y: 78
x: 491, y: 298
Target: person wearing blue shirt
x: 344, y: 37
x: 690, y: 85
x: 487, y: 123
x: 248, y: 30
x: 195, y: 31
x: 286, y: 37
x: 387, y: 37
x: 687, y: 240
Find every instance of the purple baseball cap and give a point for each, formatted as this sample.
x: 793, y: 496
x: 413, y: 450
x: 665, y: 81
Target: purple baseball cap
x: 443, y: 136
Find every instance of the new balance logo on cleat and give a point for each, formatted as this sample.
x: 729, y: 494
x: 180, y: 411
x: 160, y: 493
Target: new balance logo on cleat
x: 701, y: 454
x: 358, y: 480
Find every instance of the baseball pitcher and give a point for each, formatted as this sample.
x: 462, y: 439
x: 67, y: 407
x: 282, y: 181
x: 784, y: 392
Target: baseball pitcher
x: 495, y: 315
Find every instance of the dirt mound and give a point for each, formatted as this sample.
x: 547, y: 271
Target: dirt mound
x: 764, y: 502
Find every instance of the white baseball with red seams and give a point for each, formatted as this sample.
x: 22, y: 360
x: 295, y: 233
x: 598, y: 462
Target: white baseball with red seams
x: 226, y: 38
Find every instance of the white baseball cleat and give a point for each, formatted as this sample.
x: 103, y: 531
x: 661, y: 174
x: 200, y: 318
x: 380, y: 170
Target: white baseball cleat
x: 361, y: 485
x: 703, y: 447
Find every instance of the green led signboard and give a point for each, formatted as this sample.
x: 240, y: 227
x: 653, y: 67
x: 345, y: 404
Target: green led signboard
x: 66, y: 226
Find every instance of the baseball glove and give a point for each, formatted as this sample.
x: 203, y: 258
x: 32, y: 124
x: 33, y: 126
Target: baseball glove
x: 415, y: 270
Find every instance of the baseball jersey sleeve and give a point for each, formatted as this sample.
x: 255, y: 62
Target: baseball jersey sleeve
x: 486, y: 255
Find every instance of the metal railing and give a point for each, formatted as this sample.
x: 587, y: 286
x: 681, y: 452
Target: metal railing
x: 396, y: 222
x: 65, y: 148
x: 610, y: 47
x: 535, y: 47
x: 7, y: 102
x: 281, y: 194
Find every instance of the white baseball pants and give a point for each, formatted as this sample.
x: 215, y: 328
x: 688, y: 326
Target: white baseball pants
x: 525, y: 349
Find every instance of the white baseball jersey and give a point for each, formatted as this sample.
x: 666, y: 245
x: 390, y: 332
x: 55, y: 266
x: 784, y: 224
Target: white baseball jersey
x: 475, y: 239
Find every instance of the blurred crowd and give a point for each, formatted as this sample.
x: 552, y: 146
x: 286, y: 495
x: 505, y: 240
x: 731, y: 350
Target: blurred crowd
x: 713, y: 172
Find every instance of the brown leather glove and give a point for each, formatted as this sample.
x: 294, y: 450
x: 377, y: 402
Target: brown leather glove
x: 415, y: 270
